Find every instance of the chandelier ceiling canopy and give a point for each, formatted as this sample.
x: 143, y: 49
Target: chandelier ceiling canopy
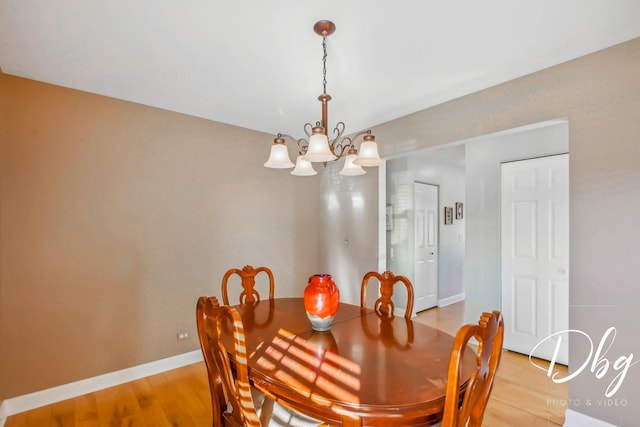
x: 319, y: 147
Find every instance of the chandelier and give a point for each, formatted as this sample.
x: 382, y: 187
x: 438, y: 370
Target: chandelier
x: 319, y: 147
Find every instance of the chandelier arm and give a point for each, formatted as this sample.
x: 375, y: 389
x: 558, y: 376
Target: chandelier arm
x: 348, y: 142
x: 301, y: 143
x: 308, y: 127
x: 338, y: 131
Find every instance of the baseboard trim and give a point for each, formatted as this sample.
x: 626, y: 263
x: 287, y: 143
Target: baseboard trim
x: 450, y: 300
x: 34, y: 400
x: 577, y: 419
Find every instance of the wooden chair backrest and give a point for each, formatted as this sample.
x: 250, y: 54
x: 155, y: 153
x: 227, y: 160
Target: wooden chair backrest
x: 248, y: 275
x: 489, y: 333
x: 384, y: 305
x: 225, y: 389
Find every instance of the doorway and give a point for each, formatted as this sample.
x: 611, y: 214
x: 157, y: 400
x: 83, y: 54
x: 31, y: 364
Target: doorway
x: 466, y: 171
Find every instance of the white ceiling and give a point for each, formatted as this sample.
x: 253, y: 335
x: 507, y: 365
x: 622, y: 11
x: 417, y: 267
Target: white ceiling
x: 258, y: 64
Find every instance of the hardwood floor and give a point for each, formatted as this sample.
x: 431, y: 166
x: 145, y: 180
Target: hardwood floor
x: 176, y: 398
x: 522, y: 395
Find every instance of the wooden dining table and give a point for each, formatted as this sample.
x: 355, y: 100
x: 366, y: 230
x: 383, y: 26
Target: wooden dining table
x: 368, y: 370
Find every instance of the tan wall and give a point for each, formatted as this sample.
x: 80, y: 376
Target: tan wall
x: 599, y: 94
x: 115, y: 217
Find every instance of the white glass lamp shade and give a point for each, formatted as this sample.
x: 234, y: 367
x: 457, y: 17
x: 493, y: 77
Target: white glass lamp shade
x: 303, y: 168
x: 318, y: 150
x: 279, y: 156
x: 351, y: 169
x: 368, y: 153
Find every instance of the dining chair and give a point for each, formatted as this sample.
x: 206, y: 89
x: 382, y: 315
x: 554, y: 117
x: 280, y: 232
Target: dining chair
x: 249, y: 294
x: 488, y: 333
x: 384, y: 304
x: 234, y: 401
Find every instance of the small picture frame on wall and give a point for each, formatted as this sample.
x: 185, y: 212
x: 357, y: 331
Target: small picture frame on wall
x: 448, y: 215
x: 458, y: 210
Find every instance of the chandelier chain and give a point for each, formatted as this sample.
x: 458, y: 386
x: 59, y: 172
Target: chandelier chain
x: 324, y: 64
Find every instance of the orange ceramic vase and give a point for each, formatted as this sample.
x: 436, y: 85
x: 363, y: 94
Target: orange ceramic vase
x: 321, y: 301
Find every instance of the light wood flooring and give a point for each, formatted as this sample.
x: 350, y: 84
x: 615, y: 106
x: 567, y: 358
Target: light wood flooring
x: 522, y: 396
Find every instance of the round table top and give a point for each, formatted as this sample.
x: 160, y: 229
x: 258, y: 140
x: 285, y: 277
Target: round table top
x: 366, y: 366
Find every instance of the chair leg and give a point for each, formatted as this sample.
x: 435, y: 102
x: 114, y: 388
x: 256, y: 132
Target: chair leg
x: 266, y: 411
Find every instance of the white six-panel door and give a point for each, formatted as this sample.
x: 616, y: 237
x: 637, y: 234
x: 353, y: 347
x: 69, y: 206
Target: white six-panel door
x: 535, y: 255
x: 425, y: 285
